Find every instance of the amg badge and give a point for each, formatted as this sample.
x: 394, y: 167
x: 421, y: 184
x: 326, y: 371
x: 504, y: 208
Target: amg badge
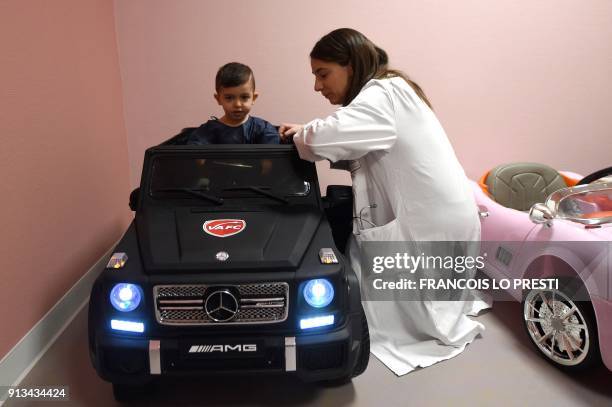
x: 224, y: 227
x: 223, y: 348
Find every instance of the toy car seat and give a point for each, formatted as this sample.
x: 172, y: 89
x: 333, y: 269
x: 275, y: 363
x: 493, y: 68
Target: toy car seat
x: 520, y: 185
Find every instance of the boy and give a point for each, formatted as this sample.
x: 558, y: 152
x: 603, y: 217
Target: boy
x: 235, y: 87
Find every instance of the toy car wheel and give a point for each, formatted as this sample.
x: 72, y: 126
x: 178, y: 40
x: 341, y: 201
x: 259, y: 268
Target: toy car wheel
x: 563, y: 330
x: 363, y: 358
x: 364, y: 354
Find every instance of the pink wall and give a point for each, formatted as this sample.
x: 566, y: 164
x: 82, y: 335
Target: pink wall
x: 510, y: 80
x: 63, y: 159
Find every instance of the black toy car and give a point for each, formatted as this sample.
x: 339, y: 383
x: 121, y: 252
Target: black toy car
x: 228, y: 267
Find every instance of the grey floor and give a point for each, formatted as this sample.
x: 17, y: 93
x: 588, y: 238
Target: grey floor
x: 498, y: 369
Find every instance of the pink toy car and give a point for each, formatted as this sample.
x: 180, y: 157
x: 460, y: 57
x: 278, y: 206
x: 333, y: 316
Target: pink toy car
x: 538, y: 223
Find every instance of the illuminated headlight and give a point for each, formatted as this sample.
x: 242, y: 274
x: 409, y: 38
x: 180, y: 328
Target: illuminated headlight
x: 316, y: 322
x: 127, y: 326
x: 319, y: 292
x: 125, y: 297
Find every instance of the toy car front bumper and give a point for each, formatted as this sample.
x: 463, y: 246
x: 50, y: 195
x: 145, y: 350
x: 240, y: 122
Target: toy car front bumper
x: 310, y: 356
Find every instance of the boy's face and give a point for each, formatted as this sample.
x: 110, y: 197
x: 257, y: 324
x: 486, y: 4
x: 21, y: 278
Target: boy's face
x: 237, y: 101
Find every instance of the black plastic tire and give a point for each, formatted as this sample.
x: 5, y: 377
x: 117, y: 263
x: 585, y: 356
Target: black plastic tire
x: 362, y: 360
x: 364, y: 353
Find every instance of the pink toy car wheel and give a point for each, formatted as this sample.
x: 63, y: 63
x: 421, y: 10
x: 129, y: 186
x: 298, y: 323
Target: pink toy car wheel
x: 561, y: 329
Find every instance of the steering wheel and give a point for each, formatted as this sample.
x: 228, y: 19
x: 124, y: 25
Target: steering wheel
x: 595, y: 176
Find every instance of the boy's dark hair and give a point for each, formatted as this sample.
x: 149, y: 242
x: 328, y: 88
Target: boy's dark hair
x: 233, y: 74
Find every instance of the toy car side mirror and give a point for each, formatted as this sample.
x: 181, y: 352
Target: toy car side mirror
x: 134, y: 195
x: 540, y: 213
x: 339, y: 211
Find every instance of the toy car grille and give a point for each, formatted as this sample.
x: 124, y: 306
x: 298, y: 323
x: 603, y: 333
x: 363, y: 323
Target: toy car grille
x: 261, y: 303
x: 262, y: 289
x: 181, y: 291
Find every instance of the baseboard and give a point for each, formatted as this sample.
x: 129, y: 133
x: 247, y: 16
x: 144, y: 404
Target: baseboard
x: 28, y: 351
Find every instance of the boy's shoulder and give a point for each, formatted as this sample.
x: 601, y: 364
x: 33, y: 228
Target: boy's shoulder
x: 260, y: 131
x: 209, y: 132
x: 259, y: 122
x: 212, y: 122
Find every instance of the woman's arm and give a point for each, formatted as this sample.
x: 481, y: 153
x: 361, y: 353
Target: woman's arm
x: 366, y: 124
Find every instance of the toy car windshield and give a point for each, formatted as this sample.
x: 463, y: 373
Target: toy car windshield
x: 590, y: 204
x: 215, y: 178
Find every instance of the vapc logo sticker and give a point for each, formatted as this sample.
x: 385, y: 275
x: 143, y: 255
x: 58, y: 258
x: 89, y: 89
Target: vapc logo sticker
x: 224, y: 227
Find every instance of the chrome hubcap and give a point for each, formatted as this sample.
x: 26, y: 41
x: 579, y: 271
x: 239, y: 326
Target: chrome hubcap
x: 556, y: 326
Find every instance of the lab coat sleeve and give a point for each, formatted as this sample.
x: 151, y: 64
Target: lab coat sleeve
x: 366, y: 124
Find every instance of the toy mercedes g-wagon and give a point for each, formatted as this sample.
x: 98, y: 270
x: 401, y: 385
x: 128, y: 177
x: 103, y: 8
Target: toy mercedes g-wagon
x: 229, y: 266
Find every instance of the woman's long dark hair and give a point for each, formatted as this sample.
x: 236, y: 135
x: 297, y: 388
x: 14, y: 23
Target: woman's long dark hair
x: 346, y: 46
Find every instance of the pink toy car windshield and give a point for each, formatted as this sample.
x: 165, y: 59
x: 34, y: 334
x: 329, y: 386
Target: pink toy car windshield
x: 592, y: 205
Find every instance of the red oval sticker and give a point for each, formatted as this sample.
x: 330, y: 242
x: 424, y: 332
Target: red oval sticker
x: 224, y: 227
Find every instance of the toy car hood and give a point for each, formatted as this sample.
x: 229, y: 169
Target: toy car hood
x: 196, y: 240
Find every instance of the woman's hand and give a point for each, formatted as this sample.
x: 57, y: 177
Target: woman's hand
x: 288, y: 130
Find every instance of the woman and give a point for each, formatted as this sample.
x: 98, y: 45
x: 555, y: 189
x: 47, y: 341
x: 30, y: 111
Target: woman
x: 407, y: 183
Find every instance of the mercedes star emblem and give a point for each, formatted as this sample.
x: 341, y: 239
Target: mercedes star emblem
x: 222, y: 256
x: 221, y: 306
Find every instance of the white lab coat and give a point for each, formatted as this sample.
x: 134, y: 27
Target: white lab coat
x: 402, y: 161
